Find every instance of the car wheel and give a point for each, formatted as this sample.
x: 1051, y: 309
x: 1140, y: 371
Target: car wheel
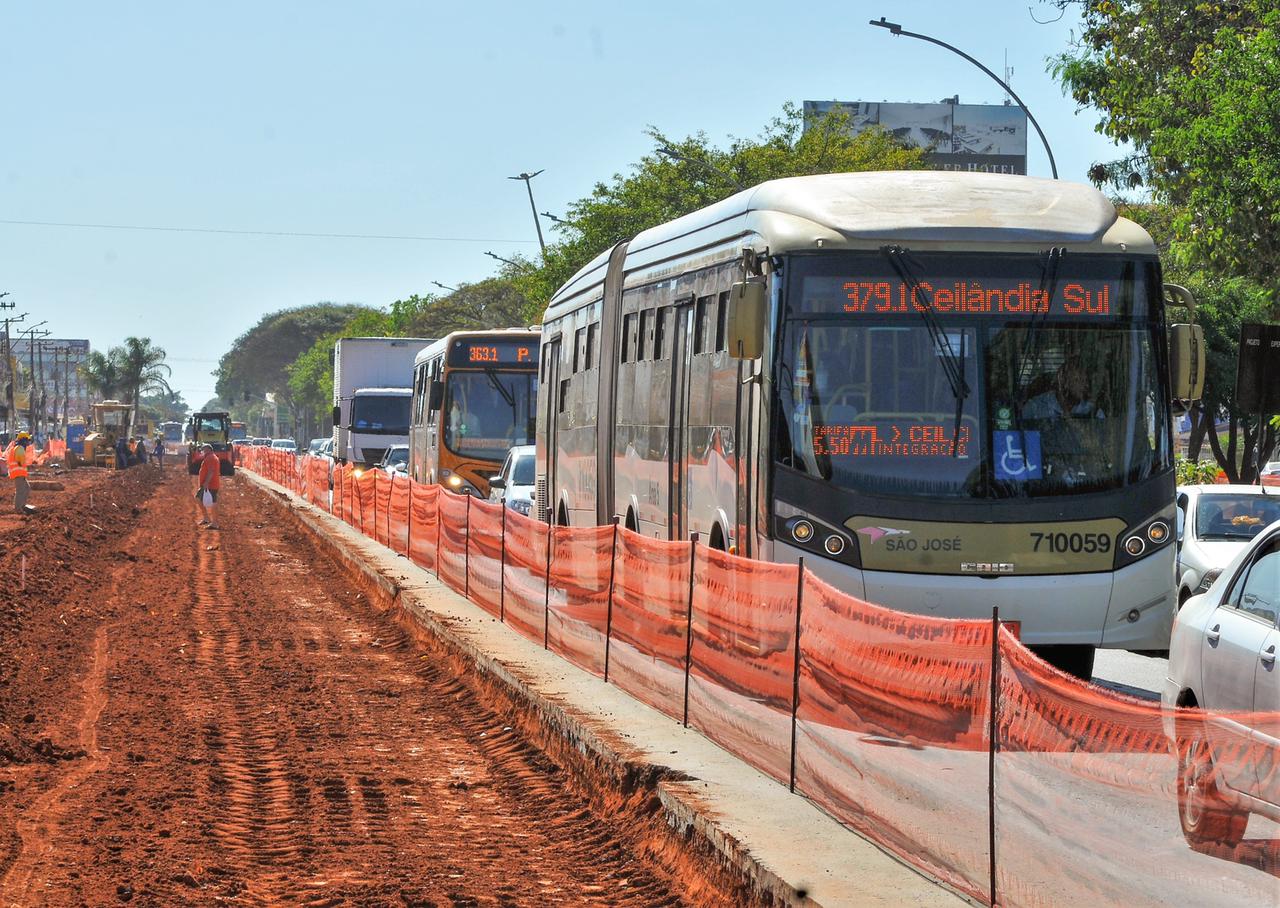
x: 1183, y: 595
x: 1207, y: 818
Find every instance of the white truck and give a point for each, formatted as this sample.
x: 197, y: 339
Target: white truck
x: 372, y: 393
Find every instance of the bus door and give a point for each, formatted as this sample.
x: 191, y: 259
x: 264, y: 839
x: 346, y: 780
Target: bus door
x: 742, y: 451
x: 678, y: 438
x: 553, y: 397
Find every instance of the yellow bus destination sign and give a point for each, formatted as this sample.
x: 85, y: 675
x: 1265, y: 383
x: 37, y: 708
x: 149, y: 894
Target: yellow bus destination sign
x: 973, y: 297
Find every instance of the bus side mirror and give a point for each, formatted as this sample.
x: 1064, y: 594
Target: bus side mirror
x: 337, y: 415
x: 435, y: 396
x: 1186, y: 361
x: 745, y: 329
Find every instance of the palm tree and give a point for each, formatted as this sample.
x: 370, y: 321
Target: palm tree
x: 142, y: 369
x: 101, y: 373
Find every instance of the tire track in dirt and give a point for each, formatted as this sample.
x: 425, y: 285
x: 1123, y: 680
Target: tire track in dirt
x: 38, y: 828
x: 278, y: 740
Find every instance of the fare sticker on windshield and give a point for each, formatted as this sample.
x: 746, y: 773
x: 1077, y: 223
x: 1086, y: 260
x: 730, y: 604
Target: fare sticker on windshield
x: 885, y: 439
x: 1074, y: 299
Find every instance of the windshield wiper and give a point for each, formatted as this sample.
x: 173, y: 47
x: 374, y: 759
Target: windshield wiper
x: 507, y: 395
x: 952, y: 363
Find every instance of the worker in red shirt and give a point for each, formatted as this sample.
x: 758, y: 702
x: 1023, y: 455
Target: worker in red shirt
x: 208, y: 481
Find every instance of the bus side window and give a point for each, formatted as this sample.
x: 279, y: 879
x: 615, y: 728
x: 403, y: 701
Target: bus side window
x: 661, y: 331
x: 593, y: 344
x: 628, y: 338
x: 644, y: 345
x: 722, y: 322
x: 579, y: 350
x: 704, y: 324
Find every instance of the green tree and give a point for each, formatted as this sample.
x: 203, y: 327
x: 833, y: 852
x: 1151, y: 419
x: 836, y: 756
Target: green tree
x: 660, y: 186
x: 142, y: 369
x: 310, y: 375
x: 101, y: 374
x: 1194, y: 88
x: 258, y: 359
x: 165, y: 406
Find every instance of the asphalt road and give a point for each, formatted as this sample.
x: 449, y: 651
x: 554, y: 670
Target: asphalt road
x: 1130, y: 673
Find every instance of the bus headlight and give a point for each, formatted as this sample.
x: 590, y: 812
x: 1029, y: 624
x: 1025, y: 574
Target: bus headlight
x: 801, y: 531
x: 1135, y: 546
x: 834, y: 544
x: 1158, y: 532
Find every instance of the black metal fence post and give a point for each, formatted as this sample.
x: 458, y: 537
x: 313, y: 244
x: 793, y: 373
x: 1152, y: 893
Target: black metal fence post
x: 688, y: 627
x: 608, y: 616
x: 991, y: 748
x: 439, y: 523
x: 408, y: 523
x: 795, y: 677
x: 546, y: 599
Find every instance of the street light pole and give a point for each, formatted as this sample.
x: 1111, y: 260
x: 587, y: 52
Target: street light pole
x: 897, y: 30
x: 8, y: 361
x: 513, y: 264
x: 31, y: 356
x: 445, y: 287
x: 527, y: 177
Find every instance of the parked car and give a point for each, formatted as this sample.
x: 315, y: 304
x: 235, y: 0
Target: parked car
x: 396, y: 460
x: 260, y: 442
x: 1214, y: 523
x: 1222, y: 660
x: 513, y: 485
x: 285, y: 444
x: 1272, y: 469
x: 313, y: 447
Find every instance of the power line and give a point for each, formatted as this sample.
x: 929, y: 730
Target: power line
x: 288, y: 233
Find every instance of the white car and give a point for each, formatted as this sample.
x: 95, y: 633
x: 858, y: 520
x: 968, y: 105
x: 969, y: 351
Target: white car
x: 513, y: 485
x: 1272, y: 469
x: 1222, y: 661
x: 396, y: 460
x: 1214, y: 523
x: 285, y: 444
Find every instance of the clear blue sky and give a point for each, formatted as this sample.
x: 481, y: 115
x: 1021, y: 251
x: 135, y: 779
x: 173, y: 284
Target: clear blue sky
x: 404, y: 118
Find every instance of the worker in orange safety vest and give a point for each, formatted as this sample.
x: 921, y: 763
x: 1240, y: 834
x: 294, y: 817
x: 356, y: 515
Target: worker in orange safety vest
x: 18, y: 457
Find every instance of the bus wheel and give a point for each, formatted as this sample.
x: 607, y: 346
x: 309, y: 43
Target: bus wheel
x: 630, y: 523
x: 562, y: 516
x: 717, y: 538
x: 1074, y: 659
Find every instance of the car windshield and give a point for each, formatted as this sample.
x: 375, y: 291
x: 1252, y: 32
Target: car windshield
x: 486, y: 413
x: 381, y: 415
x: 972, y: 376
x: 1239, y: 516
x: 522, y: 474
x: 397, y: 455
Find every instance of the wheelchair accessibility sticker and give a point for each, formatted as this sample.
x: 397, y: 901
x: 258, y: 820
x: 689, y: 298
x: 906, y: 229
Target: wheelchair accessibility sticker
x: 1017, y: 455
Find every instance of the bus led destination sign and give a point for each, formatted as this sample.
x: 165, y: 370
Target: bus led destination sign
x: 489, y: 351
x: 891, y: 440
x: 965, y: 297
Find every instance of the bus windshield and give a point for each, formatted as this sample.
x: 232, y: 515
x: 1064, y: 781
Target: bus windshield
x: 486, y: 413
x: 972, y: 376
x: 380, y: 415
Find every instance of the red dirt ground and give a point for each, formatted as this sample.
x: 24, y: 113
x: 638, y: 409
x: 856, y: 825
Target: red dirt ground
x: 197, y: 717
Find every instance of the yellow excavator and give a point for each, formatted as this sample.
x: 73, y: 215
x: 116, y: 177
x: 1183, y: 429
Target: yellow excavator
x: 110, y: 424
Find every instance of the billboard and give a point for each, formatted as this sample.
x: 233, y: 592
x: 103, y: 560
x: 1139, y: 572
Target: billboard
x: 986, y: 138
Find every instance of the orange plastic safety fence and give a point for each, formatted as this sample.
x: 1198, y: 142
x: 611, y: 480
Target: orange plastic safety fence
x: 484, y: 555
x: 381, y: 507
x: 524, y: 575
x: 398, y: 515
x: 363, y: 488
x: 452, y: 567
x: 424, y: 524
x: 650, y: 620
x: 578, y: 601
x: 742, y: 656
x: 890, y: 731
x: 1094, y: 789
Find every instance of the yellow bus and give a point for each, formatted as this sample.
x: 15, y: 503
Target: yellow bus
x: 474, y: 398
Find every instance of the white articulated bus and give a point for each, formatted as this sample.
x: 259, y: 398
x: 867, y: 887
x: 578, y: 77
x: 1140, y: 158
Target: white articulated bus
x: 946, y: 391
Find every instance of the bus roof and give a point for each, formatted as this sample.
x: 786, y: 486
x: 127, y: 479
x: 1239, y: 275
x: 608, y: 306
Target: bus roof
x: 439, y: 347
x: 925, y: 209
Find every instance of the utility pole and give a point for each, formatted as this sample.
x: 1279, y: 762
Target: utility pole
x: 527, y: 177
x: 31, y: 357
x: 8, y: 361
x: 61, y: 399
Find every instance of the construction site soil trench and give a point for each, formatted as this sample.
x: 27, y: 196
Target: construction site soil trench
x: 192, y: 716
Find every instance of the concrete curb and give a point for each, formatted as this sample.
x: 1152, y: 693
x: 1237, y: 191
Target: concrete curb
x: 783, y: 848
